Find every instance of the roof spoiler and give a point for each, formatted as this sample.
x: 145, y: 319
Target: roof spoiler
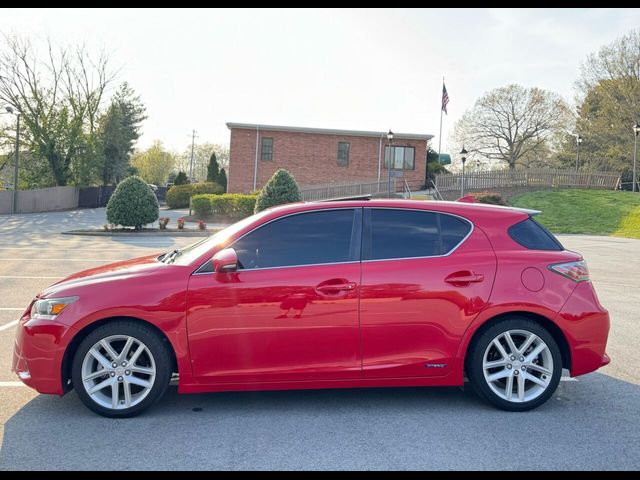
x: 528, y: 211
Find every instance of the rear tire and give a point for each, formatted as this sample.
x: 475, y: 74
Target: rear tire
x: 515, y: 364
x: 121, y: 369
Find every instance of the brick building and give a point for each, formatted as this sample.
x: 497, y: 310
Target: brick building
x: 318, y: 156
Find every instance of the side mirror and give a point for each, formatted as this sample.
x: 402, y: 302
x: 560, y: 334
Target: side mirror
x: 225, y: 261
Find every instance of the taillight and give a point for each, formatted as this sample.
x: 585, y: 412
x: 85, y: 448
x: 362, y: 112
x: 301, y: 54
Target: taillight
x: 576, y: 271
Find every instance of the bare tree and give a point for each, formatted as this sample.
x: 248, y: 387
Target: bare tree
x: 59, y: 97
x: 512, y: 124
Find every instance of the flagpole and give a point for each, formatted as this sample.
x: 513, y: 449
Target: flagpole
x: 440, y: 135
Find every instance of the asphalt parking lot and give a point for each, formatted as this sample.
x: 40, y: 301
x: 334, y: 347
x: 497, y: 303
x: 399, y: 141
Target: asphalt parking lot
x: 590, y: 423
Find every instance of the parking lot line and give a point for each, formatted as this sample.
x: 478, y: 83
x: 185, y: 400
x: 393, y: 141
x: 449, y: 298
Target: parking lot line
x: 10, y: 309
x: 12, y: 384
x: 7, y: 326
x: 32, y: 278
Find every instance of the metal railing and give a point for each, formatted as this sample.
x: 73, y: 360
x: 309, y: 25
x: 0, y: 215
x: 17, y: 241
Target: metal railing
x: 530, y: 177
x: 323, y: 192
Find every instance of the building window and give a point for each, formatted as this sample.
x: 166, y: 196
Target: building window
x: 343, y: 154
x: 266, y: 150
x: 403, y: 157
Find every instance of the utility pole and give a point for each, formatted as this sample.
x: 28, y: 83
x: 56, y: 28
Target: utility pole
x: 193, y: 141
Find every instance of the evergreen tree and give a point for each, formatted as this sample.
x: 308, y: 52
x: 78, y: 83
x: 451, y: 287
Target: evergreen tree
x: 213, y: 169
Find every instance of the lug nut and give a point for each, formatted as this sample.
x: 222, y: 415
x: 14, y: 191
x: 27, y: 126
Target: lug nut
x: 523, y: 368
x: 509, y: 366
x: 522, y: 359
x: 128, y: 372
x: 515, y: 372
x: 113, y: 374
x: 124, y: 364
x: 120, y: 379
x: 114, y: 364
x: 513, y: 358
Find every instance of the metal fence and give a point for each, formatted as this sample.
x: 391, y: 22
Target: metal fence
x: 333, y: 190
x: 530, y: 177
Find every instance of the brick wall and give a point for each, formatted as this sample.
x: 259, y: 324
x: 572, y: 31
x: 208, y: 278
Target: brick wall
x: 312, y: 158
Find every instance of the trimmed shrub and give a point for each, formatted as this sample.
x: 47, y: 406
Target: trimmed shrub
x: 222, y: 179
x: 178, y: 196
x: 230, y: 206
x: 133, y: 204
x: 281, y: 188
x: 181, y: 179
x: 492, y: 198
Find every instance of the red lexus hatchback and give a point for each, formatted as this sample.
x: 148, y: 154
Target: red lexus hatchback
x: 376, y: 293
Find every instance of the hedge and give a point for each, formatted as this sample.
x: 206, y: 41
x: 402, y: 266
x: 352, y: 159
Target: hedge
x: 492, y: 198
x: 228, y: 206
x: 133, y: 204
x: 178, y: 196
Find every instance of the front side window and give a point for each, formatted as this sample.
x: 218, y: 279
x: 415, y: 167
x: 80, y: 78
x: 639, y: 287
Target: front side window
x: 266, y: 150
x: 302, y: 239
x: 400, y: 158
x: 412, y: 233
x: 343, y: 154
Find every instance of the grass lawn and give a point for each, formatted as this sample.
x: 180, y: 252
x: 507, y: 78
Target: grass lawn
x: 597, y: 212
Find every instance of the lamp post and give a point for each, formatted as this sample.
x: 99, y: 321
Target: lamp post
x: 390, y: 141
x: 636, y: 131
x: 578, y: 142
x: 14, y: 205
x: 464, y: 153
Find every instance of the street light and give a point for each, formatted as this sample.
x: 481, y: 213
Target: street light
x: 14, y: 205
x: 636, y: 131
x: 390, y: 140
x: 464, y: 153
x: 578, y: 142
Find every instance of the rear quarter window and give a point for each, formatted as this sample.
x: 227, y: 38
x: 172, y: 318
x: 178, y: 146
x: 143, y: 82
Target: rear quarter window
x: 530, y: 234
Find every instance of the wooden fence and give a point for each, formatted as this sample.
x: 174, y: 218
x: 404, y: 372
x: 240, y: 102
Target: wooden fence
x: 530, y: 177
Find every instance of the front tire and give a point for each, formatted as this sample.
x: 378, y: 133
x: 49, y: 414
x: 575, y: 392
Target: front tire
x: 121, y: 369
x: 515, y: 364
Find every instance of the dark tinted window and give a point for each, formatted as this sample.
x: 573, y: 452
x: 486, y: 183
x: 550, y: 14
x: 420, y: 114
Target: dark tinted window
x: 343, y: 154
x: 530, y: 234
x: 303, y: 239
x: 267, y: 149
x: 411, y: 233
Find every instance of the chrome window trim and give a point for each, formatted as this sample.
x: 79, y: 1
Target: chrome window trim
x: 471, y: 230
x: 198, y: 272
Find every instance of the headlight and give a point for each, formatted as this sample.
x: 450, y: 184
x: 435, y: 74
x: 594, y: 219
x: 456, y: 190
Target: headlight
x: 49, y: 308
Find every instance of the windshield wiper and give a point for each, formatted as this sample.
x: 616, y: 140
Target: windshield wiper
x: 171, y: 257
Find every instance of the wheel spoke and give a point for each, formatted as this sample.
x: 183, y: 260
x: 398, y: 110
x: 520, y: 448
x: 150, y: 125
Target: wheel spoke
x: 500, y: 348
x: 498, y: 375
x: 136, y: 354
x: 126, y: 386
x: 535, y: 352
x: 99, y: 386
x: 104, y: 361
x: 521, y: 388
x: 508, y: 389
x: 512, y: 346
x: 539, y: 368
x: 536, y: 380
x: 125, y: 350
x: 115, y: 394
x: 527, y: 343
x: 143, y: 370
x: 140, y: 382
x: 110, y: 351
x: 94, y: 375
x: 496, y: 363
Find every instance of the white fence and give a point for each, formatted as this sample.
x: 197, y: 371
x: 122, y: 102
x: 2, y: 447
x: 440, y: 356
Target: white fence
x: 530, y: 177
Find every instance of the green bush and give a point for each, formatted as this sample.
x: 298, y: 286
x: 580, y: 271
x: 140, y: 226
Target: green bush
x: 133, y: 204
x: 178, y: 196
x: 230, y: 206
x: 181, y: 179
x: 281, y: 188
x: 492, y: 198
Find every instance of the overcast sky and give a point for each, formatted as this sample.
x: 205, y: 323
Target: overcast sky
x: 352, y: 69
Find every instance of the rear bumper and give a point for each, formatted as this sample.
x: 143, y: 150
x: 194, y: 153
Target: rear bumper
x: 586, y: 326
x: 38, y: 353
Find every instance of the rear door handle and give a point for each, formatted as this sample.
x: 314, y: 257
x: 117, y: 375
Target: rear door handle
x: 464, y: 278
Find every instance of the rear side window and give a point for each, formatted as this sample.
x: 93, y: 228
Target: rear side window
x: 412, y: 233
x: 302, y: 239
x: 530, y: 234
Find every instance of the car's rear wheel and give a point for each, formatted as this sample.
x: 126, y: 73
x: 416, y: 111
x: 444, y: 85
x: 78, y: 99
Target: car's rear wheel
x: 515, y: 364
x: 121, y: 369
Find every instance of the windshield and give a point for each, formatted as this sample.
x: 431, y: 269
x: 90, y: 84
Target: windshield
x: 192, y: 252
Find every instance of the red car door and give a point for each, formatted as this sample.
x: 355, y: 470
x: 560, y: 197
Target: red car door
x: 290, y: 311
x: 425, y: 276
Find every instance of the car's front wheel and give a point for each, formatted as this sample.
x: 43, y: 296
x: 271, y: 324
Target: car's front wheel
x: 515, y: 364
x: 121, y: 369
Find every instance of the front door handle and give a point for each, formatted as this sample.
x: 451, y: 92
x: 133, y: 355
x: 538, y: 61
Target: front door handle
x: 335, y: 288
x: 464, y: 278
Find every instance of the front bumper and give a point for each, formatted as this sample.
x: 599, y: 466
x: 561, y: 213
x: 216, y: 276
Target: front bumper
x: 38, y: 354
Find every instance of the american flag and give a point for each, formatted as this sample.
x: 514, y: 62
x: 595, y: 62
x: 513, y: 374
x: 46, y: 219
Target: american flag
x: 445, y: 98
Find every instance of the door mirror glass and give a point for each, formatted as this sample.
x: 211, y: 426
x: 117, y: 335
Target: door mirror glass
x: 225, y: 261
